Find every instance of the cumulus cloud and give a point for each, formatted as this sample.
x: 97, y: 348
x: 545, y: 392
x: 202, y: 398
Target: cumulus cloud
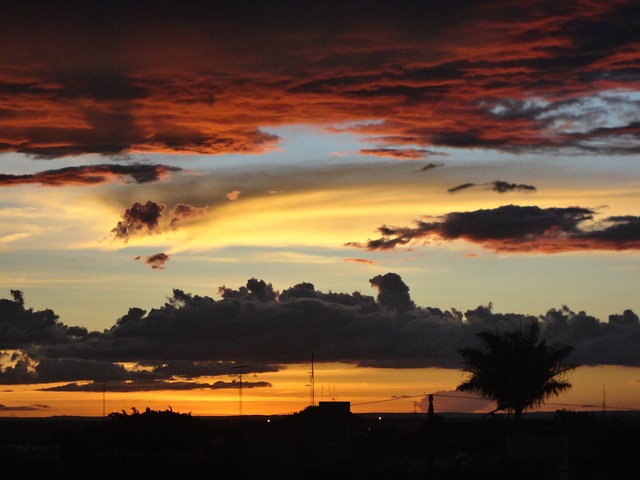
x: 148, y: 219
x: 255, y: 289
x: 18, y: 297
x: 20, y: 327
x: 138, y: 218
x: 497, y: 186
x: 157, y: 261
x: 514, y: 228
x: 178, y: 344
x: 91, y: 175
x: 392, y: 291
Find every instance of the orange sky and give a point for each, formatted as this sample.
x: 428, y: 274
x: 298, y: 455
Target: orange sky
x: 186, y: 187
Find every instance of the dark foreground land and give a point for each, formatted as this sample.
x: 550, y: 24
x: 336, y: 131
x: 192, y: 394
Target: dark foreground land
x: 321, y: 442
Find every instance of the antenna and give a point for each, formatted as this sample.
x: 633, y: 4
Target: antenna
x: 240, y: 387
x: 604, y: 398
x: 312, y: 386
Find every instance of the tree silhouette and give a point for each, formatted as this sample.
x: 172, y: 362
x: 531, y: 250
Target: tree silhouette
x: 516, y: 370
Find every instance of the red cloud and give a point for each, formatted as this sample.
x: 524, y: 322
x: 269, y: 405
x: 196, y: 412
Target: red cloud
x: 360, y: 260
x: 157, y: 261
x: 209, y: 79
x: 91, y: 175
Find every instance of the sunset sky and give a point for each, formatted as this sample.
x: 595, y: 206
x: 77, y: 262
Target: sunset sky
x: 191, y: 187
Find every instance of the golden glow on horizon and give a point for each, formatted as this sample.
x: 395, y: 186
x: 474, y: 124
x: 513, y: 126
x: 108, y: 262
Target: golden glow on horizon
x: 367, y: 389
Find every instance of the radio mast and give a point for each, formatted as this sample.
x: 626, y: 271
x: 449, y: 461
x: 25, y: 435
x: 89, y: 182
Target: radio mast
x: 312, y: 385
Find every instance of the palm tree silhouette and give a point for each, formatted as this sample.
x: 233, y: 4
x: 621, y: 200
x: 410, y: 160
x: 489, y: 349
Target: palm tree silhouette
x: 516, y: 370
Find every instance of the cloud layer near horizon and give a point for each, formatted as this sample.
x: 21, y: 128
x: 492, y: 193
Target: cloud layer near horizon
x: 192, y: 336
x: 475, y: 74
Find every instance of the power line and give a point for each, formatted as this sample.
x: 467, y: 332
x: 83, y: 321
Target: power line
x: 393, y: 399
x: 443, y: 395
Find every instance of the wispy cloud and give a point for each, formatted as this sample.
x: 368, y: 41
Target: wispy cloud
x: 496, y: 186
x: 400, y: 153
x: 360, y: 260
x: 91, y: 175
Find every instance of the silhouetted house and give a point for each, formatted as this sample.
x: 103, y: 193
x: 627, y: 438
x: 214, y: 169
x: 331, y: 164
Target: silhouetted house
x: 328, y: 435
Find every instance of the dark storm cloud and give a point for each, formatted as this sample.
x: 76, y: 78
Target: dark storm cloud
x: 20, y: 327
x: 255, y: 289
x: 497, y: 186
x: 18, y: 297
x: 514, y: 228
x: 91, y: 175
x: 137, y: 219
x: 205, y: 77
x: 195, y: 369
x: 157, y: 261
x: 392, y: 291
x: 192, y: 337
x: 47, y: 370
